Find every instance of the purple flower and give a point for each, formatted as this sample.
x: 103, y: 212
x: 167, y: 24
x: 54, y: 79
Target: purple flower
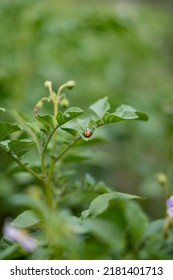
x: 169, y: 204
x: 20, y: 236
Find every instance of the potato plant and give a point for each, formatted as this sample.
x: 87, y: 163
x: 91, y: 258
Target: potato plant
x: 112, y: 226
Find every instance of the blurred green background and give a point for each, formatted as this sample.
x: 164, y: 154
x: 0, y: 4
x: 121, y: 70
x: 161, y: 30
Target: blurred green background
x: 119, y: 49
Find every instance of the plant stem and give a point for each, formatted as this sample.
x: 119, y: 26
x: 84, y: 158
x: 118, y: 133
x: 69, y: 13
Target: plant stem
x: 48, y: 193
x: 55, y: 98
x: 65, y: 150
x: 34, y: 174
x: 25, y: 167
x: 52, y: 164
x: 44, y: 150
x: 166, y: 227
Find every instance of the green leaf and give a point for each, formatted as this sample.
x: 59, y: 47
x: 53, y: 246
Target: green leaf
x: 60, y: 118
x: 72, y: 112
x: 101, y: 203
x: 89, y: 181
x: 95, y: 140
x: 124, y: 112
x: 14, y: 144
x: 122, y: 211
x: 7, y: 128
x: 4, y: 145
x: 26, y: 219
x: 70, y: 130
x: 127, y: 112
x: 137, y: 221
x: 11, y: 252
x: 68, y: 115
x: 153, y: 228
x: 142, y: 116
x: 18, y: 147
x: 112, y: 236
x: 109, y: 118
x: 29, y: 126
x: 100, y: 107
x: 18, y: 169
x: 75, y: 158
x: 102, y: 188
x: 2, y: 110
x: 48, y: 122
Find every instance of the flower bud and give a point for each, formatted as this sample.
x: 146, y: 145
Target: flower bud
x: 48, y: 84
x: 64, y: 102
x: 70, y: 84
x: 161, y: 177
x: 38, y: 106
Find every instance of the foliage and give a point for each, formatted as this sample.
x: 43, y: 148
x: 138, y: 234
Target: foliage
x: 48, y: 228
x: 123, y: 52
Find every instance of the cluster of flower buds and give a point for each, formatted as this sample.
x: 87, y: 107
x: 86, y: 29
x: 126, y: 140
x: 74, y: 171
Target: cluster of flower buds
x: 58, y: 97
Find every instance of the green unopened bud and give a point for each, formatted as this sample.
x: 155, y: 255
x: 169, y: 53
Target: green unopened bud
x: 48, y: 84
x: 70, y: 84
x: 162, y: 178
x: 38, y: 106
x: 64, y: 102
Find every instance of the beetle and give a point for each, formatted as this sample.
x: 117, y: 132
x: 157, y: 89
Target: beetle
x: 88, y: 133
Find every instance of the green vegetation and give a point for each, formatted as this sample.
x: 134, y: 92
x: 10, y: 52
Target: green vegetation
x: 69, y: 173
